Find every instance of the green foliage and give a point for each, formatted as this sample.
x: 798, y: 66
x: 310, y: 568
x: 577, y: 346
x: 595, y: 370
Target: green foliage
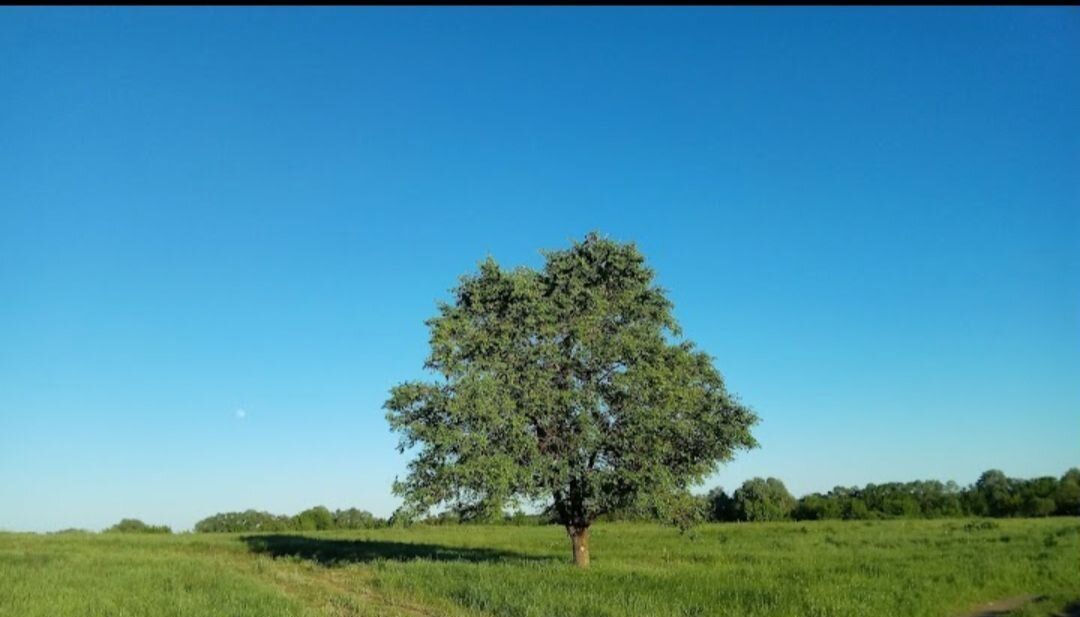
x: 312, y: 519
x: 134, y: 525
x: 518, y: 517
x: 246, y: 521
x: 816, y: 507
x: 994, y: 494
x: 719, y: 506
x: 1001, y: 496
x: 565, y: 384
x: 1067, y: 496
x: 762, y: 500
x: 355, y: 519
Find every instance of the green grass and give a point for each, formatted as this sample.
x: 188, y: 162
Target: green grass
x: 888, y: 568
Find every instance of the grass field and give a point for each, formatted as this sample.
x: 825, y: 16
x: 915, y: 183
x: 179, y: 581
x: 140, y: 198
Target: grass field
x: 886, y: 568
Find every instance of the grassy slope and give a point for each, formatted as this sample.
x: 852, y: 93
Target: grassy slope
x: 897, y: 568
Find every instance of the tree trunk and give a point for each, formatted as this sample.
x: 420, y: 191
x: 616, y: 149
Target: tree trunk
x: 579, y: 541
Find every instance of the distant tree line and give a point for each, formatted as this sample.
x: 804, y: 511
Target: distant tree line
x: 993, y: 495
x: 318, y: 518
x: 460, y: 516
x: 757, y: 499
x: 767, y: 499
x: 133, y: 525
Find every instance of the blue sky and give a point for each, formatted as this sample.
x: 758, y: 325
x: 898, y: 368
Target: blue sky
x: 869, y: 217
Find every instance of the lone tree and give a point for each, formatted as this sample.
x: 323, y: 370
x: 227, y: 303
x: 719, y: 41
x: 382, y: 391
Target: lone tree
x: 568, y: 384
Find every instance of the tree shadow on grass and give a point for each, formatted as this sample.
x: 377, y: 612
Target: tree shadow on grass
x: 330, y: 551
x: 1072, y: 610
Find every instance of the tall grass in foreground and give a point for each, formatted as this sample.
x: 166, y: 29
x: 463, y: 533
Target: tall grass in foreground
x: 112, y: 575
x: 882, y: 568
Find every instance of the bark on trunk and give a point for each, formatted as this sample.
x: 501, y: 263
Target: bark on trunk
x: 579, y: 541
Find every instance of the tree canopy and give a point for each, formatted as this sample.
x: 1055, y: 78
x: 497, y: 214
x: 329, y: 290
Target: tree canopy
x: 994, y: 495
x: 570, y: 384
x: 134, y: 525
x: 762, y: 500
x: 312, y: 519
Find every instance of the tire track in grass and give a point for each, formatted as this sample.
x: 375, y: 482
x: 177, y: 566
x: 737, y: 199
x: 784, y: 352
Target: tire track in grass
x: 344, y: 597
x: 340, y: 592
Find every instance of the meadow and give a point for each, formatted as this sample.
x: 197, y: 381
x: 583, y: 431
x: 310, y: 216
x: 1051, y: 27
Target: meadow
x: 937, y: 568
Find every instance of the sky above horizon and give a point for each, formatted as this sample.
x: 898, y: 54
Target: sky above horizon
x: 222, y: 230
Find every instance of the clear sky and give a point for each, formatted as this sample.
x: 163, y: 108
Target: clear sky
x: 221, y: 231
